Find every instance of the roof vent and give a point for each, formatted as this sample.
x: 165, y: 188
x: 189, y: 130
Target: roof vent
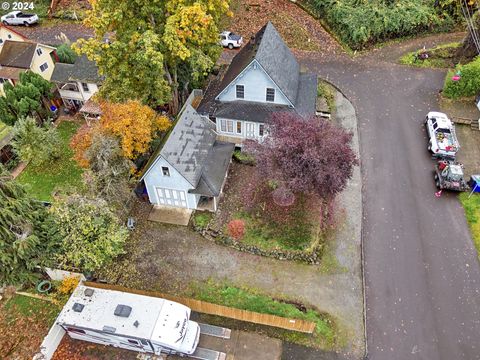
x: 109, y: 329
x: 78, y: 307
x: 88, y: 292
x: 123, y: 311
x: 136, y: 323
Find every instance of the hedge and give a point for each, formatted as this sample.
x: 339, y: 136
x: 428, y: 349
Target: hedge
x: 360, y: 23
x: 469, y: 83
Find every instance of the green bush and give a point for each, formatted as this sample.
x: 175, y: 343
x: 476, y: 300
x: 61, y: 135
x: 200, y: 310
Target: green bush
x: 243, y: 157
x: 360, y: 23
x: 66, y: 54
x: 469, y: 83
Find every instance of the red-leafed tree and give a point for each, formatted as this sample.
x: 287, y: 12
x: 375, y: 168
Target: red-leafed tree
x: 310, y: 156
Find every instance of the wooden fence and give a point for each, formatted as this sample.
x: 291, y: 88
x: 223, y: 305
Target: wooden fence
x: 219, y: 310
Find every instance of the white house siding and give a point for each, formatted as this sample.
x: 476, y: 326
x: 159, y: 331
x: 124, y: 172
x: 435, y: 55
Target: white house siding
x: 255, y: 82
x: 252, y: 128
x: 155, y: 179
x: 79, y: 95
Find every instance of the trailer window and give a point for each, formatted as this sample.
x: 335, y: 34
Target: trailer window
x: 434, y: 124
x: 134, y: 342
x: 144, y: 342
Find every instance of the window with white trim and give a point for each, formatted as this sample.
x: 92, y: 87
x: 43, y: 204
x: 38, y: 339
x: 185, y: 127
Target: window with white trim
x: 261, y: 130
x: 226, y: 126
x: 39, y: 51
x: 43, y: 67
x: 239, y: 127
x: 85, y: 87
x: 240, y: 91
x: 165, y: 171
x: 270, y: 94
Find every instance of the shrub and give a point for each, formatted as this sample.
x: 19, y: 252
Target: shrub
x: 68, y: 284
x: 35, y: 144
x: 469, y: 83
x: 236, y: 229
x: 66, y: 54
x: 243, y: 157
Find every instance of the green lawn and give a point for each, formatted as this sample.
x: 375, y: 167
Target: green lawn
x: 63, y: 173
x: 324, y: 335
x: 24, y: 306
x: 472, y: 212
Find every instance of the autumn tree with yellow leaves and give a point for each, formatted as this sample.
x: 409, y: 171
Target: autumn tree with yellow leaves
x: 134, y: 124
x: 157, y: 50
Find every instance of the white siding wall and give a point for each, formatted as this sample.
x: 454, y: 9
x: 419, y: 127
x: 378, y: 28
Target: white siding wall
x: 255, y: 82
x: 244, y: 127
x: 175, y: 181
x: 80, y: 95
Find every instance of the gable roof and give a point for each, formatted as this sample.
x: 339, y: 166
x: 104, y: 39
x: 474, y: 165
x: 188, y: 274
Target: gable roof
x: 189, y: 144
x: 8, y: 28
x: 273, y: 55
x: 17, y: 54
x: 82, y: 70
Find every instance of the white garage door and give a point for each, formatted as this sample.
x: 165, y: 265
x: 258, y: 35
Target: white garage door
x: 171, y: 197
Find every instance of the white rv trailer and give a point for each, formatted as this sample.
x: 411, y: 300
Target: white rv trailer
x: 129, y: 321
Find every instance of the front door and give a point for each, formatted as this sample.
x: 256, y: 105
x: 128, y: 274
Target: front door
x: 249, y: 130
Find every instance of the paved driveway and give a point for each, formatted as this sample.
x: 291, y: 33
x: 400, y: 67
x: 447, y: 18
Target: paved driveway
x: 422, y: 273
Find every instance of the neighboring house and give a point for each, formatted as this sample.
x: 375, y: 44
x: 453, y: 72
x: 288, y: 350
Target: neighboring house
x: 76, y: 83
x: 263, y: 78
x: 18, y: 54
x: 190, y: 169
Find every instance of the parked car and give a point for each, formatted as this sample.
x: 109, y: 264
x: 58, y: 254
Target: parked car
x: 443, y: 143
x: 19, y: 18
x: 230, y: 40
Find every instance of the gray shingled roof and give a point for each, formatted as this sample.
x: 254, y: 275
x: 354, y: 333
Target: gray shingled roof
x: 18, y: 54
x: 278, y: 61
x: 275, y: 57
x: 307, y: 95
x: 189, y: 144
x: 249, y: 111
x: 215, y: 169
x: 82, y: 70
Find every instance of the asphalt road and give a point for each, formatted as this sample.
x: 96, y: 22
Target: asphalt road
x: 422, y: 273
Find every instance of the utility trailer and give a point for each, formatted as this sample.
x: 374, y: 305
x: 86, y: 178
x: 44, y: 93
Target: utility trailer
x: 133, y: 322
x: 442, y: 143
x: 449, y: 176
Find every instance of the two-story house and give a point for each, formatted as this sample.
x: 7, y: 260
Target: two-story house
x: 263, y: 78
x: 77, y: 82
x: 18, y: 54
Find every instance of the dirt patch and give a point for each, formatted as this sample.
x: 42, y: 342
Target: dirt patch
x: 299, y: 30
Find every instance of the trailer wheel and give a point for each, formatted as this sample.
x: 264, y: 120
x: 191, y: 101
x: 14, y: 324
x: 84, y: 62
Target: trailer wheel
x: 230, y: 46
x: 436, y: 177
x: 437, y: 183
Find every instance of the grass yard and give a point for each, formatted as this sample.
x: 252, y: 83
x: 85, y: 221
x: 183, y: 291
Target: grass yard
x: 24, y: 322
x: 252, y: 300
x: 64, y: 173
x: 472, y: 213
x: 442, y: 56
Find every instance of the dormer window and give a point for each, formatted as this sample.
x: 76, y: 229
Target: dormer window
x: 39, y: 51
x: 165, y: 171
x: 270, y: 94
x: 240, y: 91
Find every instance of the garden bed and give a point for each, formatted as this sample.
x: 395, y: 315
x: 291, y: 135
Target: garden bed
x: 64, y: 173
x: 442, y: 56
x: 291, y: 232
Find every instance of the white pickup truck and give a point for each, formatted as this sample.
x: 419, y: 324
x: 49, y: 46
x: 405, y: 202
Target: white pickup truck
x: 230, y: 40
x: 19, y: 18
x: 443, y: 141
